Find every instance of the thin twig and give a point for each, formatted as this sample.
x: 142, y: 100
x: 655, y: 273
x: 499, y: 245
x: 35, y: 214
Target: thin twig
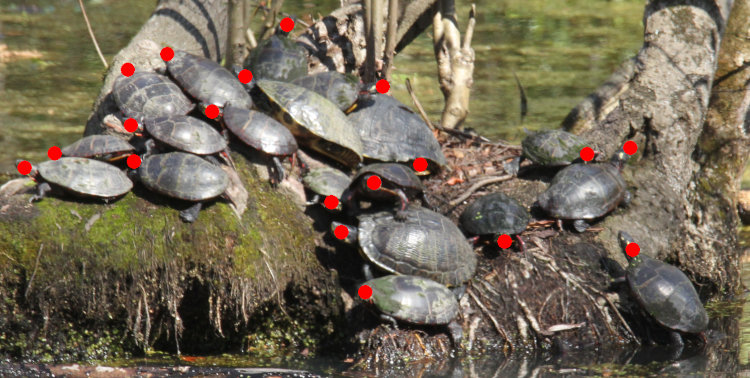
x: 478, y: 185
x: 91, y: 33
x: 484, y: 309
x: 33, y: 273
x: 273, y: 276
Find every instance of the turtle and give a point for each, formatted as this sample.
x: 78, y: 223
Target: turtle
x: 324, y: 182
x: 81, y: 177
x: 391, y: 132
x: 665, y: 292
x: 207, y: 81
x: 262, y: 133
x: 396, y: 180
x: 549, y: 148
x: 185, y: 133
x: 495, y: 214
x: 316, y: 122
x: 277, y: 58
x: 426, y: 244
x: 183, y: 176
x: 415, y: 300
x: 103, y: 147
x: 146, y: 94
x: 344, y: 90
x: 586, y: 191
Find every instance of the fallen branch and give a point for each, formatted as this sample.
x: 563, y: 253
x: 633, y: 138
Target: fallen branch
x: 478, y: 185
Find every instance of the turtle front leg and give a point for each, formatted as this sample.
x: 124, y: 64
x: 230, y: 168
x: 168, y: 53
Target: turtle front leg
x: 404, y: 200
x: 314, y: 200
x: 677, y: 344
x: 389, y: 319
x: 580, y: 225
x: 456, y: 333
x: 626, y: 199
x: 279, y: 169
x: 191, y: 213
x: 513, y: 166
x: 41, y: 190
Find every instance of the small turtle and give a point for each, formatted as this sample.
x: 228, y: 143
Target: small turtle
x: 397, y: 181
x: 324, y: 182
x: 185, y: 133
x: 183, y: 176
x: 586, y: 191
x: 416, y: 300
x: 344, y: 90
x: 277, y: 58
x: 426, y: 244
x: 549, y: 148
x: 496, y: 214
x: 81, y: 177
x: 103, y: 147
x: 262, y: 133
x: 145, y: 95
x: 665, y: 293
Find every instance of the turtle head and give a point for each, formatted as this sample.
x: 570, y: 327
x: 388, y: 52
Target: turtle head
x: 619, y: 158
x: 352, y: 235
x: 625, y: 239
x: 33, y: 174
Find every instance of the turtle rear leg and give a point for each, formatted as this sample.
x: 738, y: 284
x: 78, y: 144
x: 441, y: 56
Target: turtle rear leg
x: 456, y: 333
x: 677, y: 344
x: 191, y: 213
x: 626, y: 199
x: 41, y: 190
x: 513, y: 166
x: 279, y: 177
x: 580, y: 225
x: 389, y: 319
x: 314, y: 200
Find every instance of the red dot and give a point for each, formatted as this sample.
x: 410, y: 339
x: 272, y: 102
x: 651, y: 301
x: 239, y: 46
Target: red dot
x: 287, y: 24
x: 127, y: 69
x: 420, y: 164
x: 341, y: 232
x: 365, y: 292
x: 212, y: 111
x: 587, y: 153
x: 245, y: 76
x: 130, y: 125
x: 373, y: 182
x: 632, y: 249
x: 331, y: 202
x: 54, y: 153
x: 504, y: 241
x: 24, y: 167
x: 167, y: 54
x: 134, y: 161
x: 382, y: 86
x: 630, y: 147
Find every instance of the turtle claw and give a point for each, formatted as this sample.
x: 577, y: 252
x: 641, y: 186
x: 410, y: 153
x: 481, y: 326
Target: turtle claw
x: 400, y: 216
x: 42, y: 190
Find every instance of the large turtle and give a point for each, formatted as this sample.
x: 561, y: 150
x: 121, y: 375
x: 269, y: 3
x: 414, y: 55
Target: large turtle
x: 103, y: 147
x: 391, y: 132
x: 550, y: 148
x: 586, y: 191
x: 185, y: 133
x: 665, y: 293
x: 344, y: 90
x: 145, y: 95
x: 426, y: 244
x: 396, y: 181
x: 316, y: 122
x: 277, y: 58
x: 416, y: 300
x: 495, y: 214
x: 81, y: 177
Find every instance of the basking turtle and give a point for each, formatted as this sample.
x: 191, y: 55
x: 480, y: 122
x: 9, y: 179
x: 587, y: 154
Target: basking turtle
x: 102, y: 147
x: 416, y: 300
x: 495, y: 214
x: 324, y: 182
x: 344, y: 90
x: 81, y: 177
x: 586, y: 191
x: 277, y: 58
x: 262, y: 133
x: 391, y: 132
x: 665, y: 293
x: 550, y: 148
x: 316, y: 122
x: 185, y: 133
x: 397, y: 181
x: 207, y: 81
x: 426, y: 244
x: 145, y: 95
x: 183, y: 176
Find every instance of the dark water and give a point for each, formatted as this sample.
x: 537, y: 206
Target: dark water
x: 560, y: 50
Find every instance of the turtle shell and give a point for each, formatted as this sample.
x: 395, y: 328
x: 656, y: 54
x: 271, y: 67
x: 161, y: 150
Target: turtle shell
x: 278, y: 58
x: 207, y: 80
x: 392, y: 175
x: 316, y: 122
x: 552, y: 147
x: 144, y: 95
x: 584, y: 191
x: 326, y: 181
x: 426, y: 244
x: 391, y: 132
x: 183, y: 176
x: 85, y: 177
x: 413, y: 299
x: 187, y: 134
x: 495, y: 214
x: 340, y: 89
x: 98, y: 146
x: 260, y: 131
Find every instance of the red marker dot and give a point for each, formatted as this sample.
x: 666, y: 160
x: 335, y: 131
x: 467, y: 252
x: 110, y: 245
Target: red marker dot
x: 130, y: 125
x: 632, y: 249
x: 212, y: 111
x: 420, y: 164
x: 167, y: 54
x: 24, y: 167
x: 287, y: 24
x: 54, y: 153
x: 341, y: 232
x: 587, y: 154
x: 373, y: 182
x: 365, y: 292
x: 331, y: 202
x: 630, y: 147
x: 127, y: 69
x: 383, y: 86
x: 245, y: 76
x: 504, y: 241
x: 134, y: 161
